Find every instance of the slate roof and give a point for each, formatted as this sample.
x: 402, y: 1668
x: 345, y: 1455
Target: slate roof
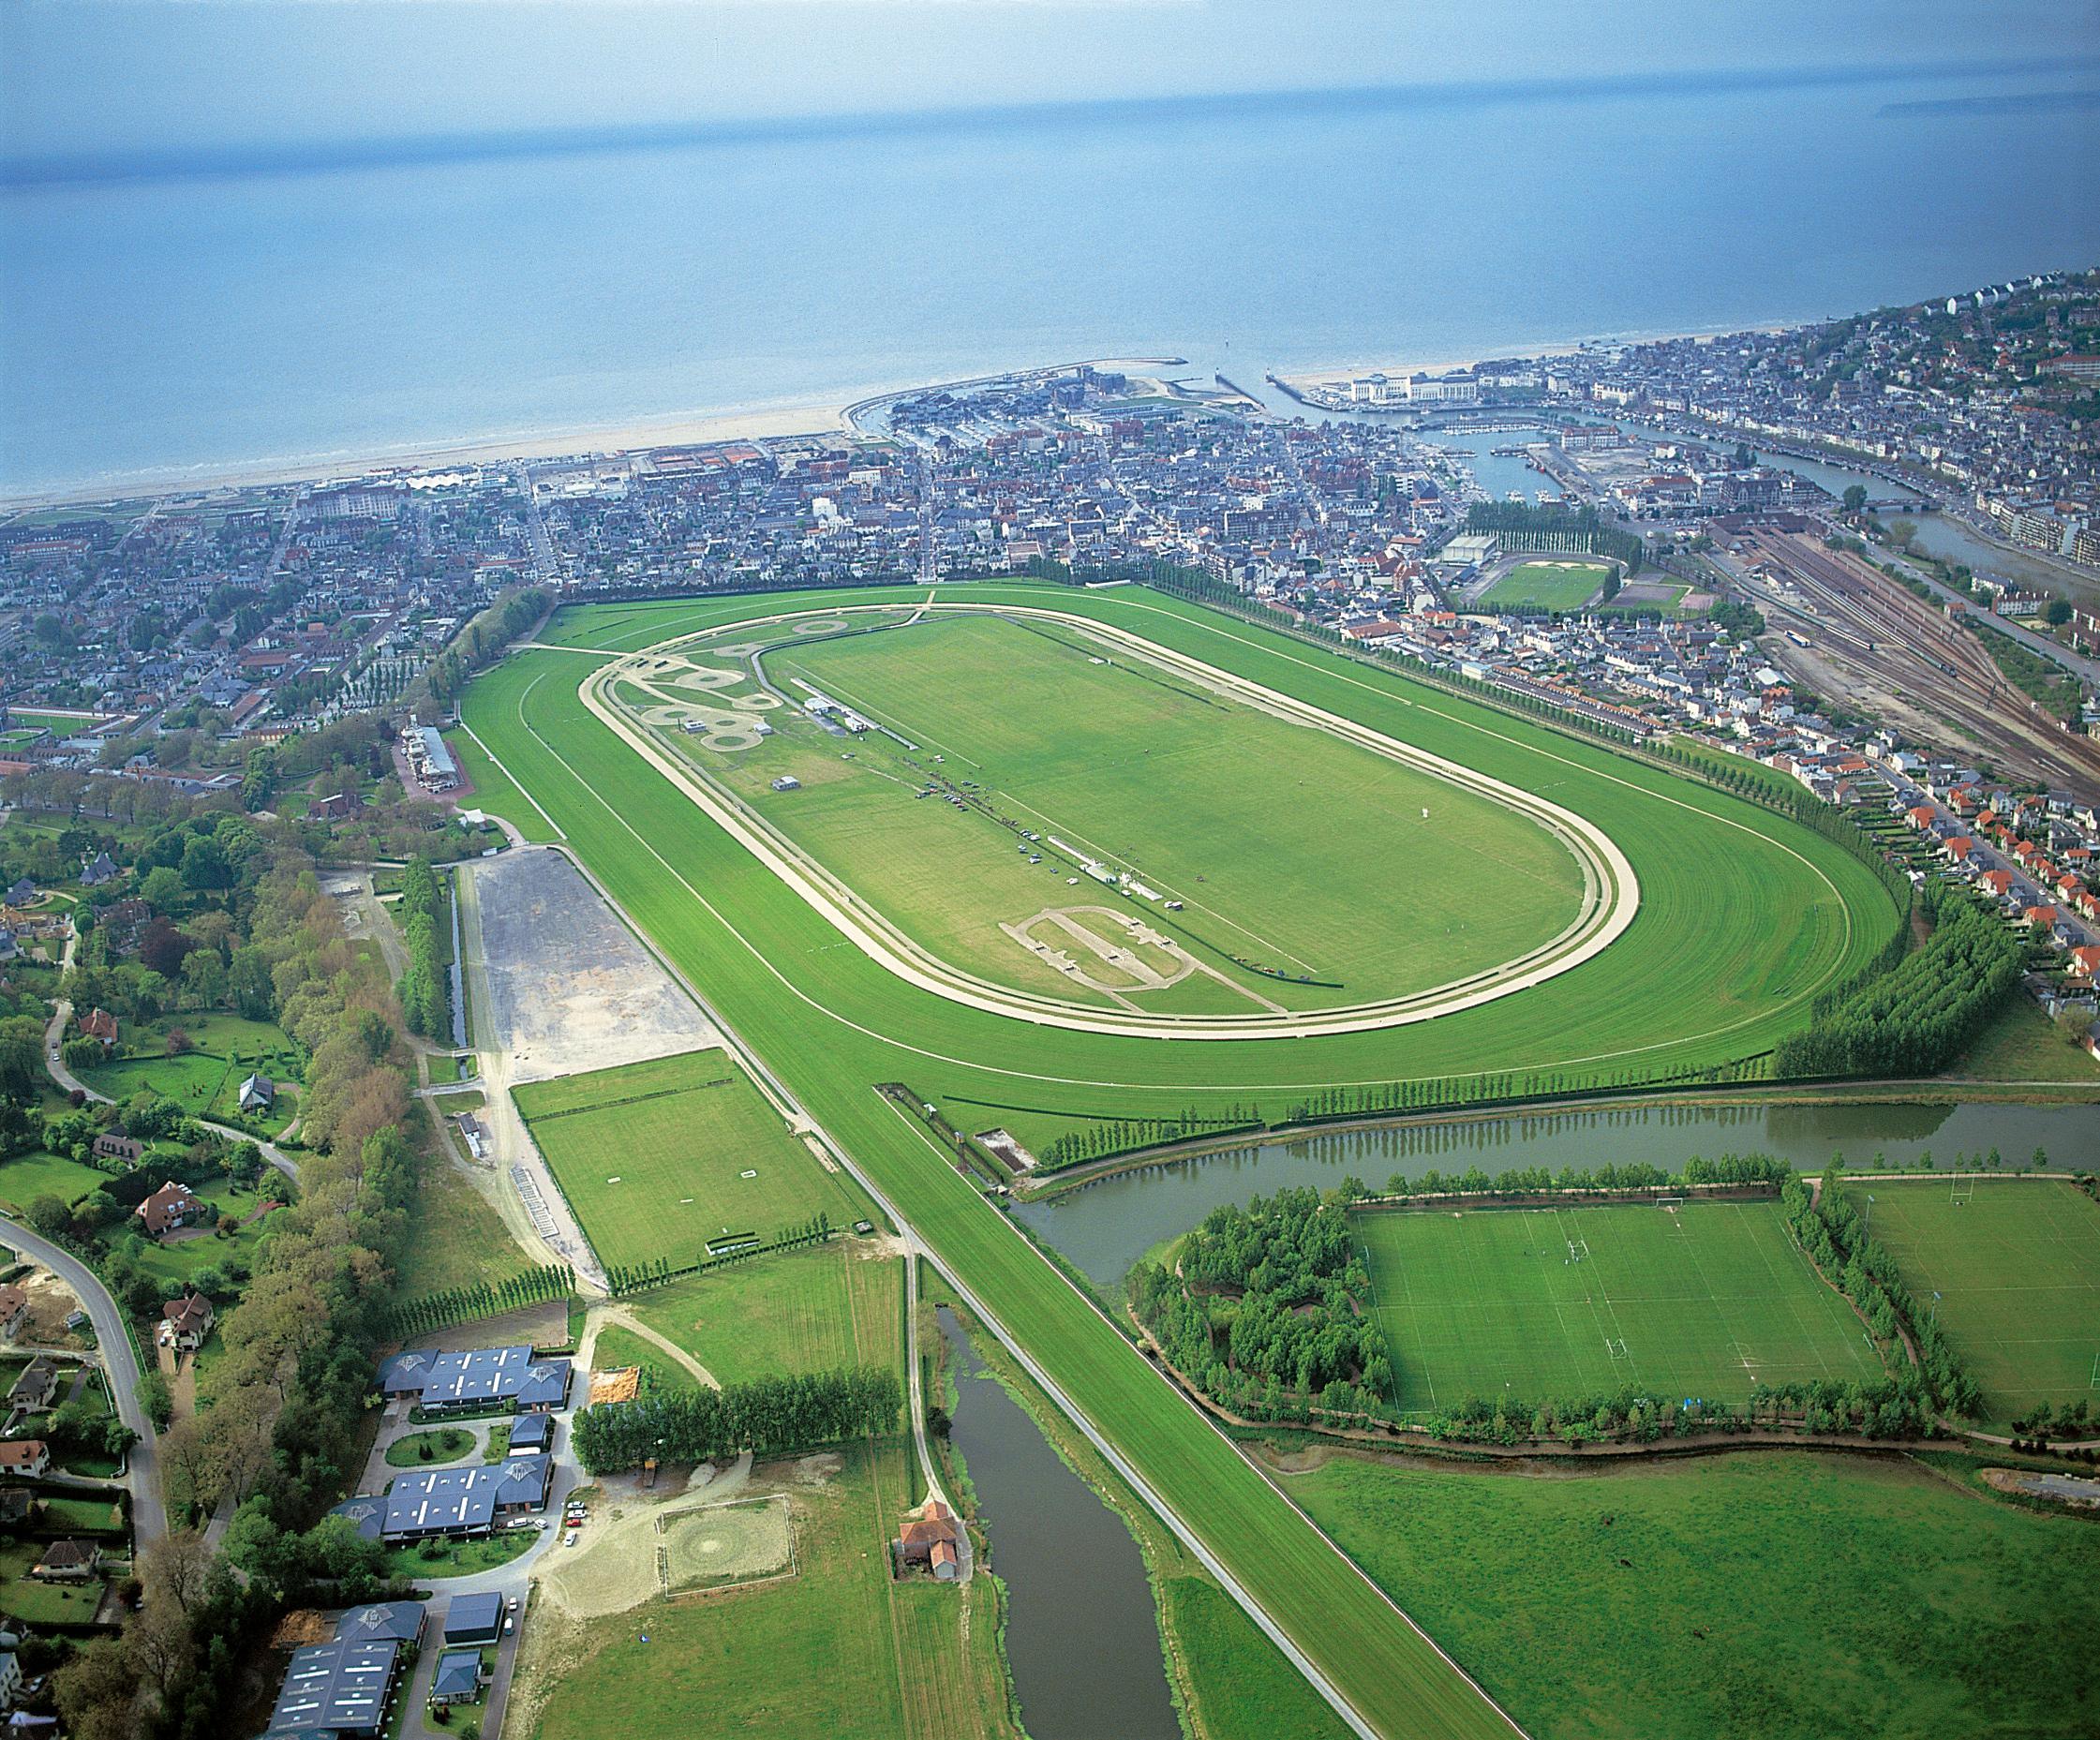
x: 338, y: 1687
x: 473, y: 1617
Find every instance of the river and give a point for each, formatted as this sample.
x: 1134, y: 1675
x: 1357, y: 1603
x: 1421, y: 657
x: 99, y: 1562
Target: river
x: 1106, y: 1226
x: 1082, y: 1634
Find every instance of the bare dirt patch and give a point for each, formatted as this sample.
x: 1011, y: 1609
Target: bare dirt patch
x: 710, y: 1546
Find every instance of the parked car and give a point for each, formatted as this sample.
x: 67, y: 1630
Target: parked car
x: 513, y: 1604
x: 570, y: 1539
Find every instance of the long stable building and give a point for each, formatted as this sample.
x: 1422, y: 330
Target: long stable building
x: 475, y: 1379
x: 465, y: 1501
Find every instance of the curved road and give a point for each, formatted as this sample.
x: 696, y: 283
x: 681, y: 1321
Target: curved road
x: 149, y: 1515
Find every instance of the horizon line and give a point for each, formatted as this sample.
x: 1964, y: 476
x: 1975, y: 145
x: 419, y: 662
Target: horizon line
x: 294, y: 157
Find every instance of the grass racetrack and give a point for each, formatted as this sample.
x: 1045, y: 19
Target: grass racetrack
x: 653, y: 1158
x: 1549, y: 1304
x: 2016, y: 1264
x: 1766, y: 913
x: 1547, y: 585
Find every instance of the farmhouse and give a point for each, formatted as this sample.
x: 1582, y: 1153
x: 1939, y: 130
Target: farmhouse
x: 337, y: 1688
x: 465, y: 1501
x: 476, y: 1379
x: 929, y: 1539
x: 14, y: 1308
x: 24, y: 1459
x: 258, y: 1093
x: 171, y: 1206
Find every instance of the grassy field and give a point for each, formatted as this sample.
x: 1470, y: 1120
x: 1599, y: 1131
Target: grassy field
x: 659, y: 1158
x: 1716, y: 874
x: 455, y: 1238
x: 1546, y: 584
x: 2021, y: 1043
x: 1794, y: 1597
x: 800, y: 1311
x: 838, y: 1648
x: 2017, y: 1271
x: 1203, y: 799
x: 23, y: 1179
x: 1561, y: 1304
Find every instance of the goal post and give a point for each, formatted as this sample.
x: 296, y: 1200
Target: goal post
x: 1669, y: 1202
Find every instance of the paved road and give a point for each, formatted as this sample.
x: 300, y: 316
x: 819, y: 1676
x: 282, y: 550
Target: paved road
x: 149, y: 1515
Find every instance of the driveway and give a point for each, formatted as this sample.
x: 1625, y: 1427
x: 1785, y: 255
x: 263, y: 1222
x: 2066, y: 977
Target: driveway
x: 149, y: 1515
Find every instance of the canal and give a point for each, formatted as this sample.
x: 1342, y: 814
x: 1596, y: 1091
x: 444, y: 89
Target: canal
x: 1106, y: 1226
x: 1083, y: 1636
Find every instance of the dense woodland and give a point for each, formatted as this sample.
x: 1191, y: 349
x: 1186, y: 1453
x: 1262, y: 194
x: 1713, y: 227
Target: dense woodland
x: 769, y: 1417
x: 1261, y: 1308
x: 426, y: 989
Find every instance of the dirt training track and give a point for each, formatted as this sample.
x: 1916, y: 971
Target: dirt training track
x: 1611, y: 895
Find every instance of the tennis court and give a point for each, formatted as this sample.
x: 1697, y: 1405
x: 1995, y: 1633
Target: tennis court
x: 1709, y: 1301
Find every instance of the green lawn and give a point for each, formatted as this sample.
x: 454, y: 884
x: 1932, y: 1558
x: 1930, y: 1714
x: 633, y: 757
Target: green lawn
x: 800, y: 1311
x: 205, y: 1081
x: 1718, y: 877
x: 429, y: 1561
x: 1244, y: 1688
x: 1549, y: 584
x: 179, y: 1259
x: 1205, y: 799
x: 1747, y: 1596
x: 27, y: 1177
x: 838, y: 1648
x: 24, y: 1598
x: 660, y: 1158
x: 1551, y: 1305
x: 2016, y: 1267
x: 445, y: 1443
x: 86, y: 1516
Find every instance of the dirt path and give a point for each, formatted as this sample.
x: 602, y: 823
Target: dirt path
x: 624, y: 1315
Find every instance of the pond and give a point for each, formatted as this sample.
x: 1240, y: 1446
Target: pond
x: 1106, y: 1226
x: 1082, y: 1635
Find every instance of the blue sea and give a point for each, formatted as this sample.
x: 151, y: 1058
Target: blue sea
x: 161, y: 319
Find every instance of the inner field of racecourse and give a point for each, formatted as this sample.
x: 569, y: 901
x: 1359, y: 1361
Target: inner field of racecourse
x: 1612, y: 891
x: 832, y: 1023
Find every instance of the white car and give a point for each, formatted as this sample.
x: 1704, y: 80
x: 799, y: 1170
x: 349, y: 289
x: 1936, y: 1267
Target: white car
x: 570, y: 1539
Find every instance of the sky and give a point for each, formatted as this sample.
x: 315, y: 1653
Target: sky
x: 110, y: 78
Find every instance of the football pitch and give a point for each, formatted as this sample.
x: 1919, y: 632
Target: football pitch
x: 1708, y: 1301
x: 2012, y: 1265
x: 659, y: 1159
x: 1547, y: 585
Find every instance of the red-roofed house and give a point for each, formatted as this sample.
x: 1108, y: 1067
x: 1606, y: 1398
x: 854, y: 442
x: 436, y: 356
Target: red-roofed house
x: 99, y: 1024
x: 24, y: 1459
x: 1958, y: 848
x: 1920, y: 816
x: 1999, y: 882
x: 2041, y: 917
x: 2085, y: 962
x: 169, y: 1207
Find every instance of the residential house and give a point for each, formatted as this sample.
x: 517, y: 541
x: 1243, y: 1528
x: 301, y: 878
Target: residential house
x: 97, y: 871
x: 24, y: 1459
x: 259, y: 1094
x: 185, y: 1323
x: 458, y: 1678
x: 930, y: 1538
x: 34, y: 1389
x: 171, y: 1206
x: 99, y: 1024
x: 14, y: 1311
x: 68, y: 1561
x: 115, y: 1145
x: 11, y: 1680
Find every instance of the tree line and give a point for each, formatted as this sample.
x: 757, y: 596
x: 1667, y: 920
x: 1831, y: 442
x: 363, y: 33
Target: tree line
x: 1558, y: 531
x: 1920, y: 1014
x: 425, y: 988
x: 768, y: 1416
x: 1729, y: 1168
x: 462, y: 1305
x: 1264, y: 1309
x: 622, y: 1279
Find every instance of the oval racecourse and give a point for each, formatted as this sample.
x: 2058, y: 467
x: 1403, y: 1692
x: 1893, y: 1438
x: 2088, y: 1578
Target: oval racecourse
x: 1610, y: 894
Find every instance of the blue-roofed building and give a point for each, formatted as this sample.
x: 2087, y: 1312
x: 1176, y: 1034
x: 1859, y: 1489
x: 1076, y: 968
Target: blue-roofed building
x: 532, y: 1434
x: 473, y: 1619
x: 458, y: 1678
x: 476, y: 1379
x: 465, y: 1501
x: 382, y: 1622
x: 337, y: 1688
x: 366, y: 1513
